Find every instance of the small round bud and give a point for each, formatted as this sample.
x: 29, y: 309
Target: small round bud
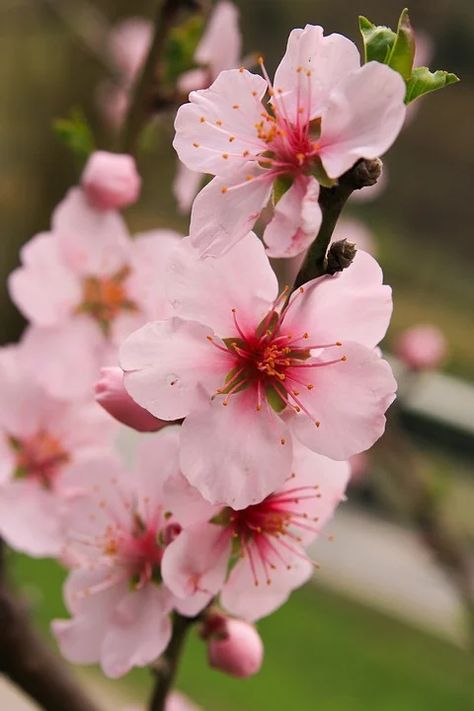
x: 422, y: 347
x: 110, y: 393
x: 340, y: 256
x: 234, y: 646
x: 366, y: 172
x: 110, y: 180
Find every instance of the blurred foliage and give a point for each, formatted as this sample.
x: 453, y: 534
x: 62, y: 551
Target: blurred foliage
x: 74, y: 131
x: 180, y: 47
x: 322, y: 652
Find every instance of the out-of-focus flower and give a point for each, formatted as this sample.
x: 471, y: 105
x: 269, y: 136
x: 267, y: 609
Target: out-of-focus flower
x: 110, y: 180
x: 175, y: 701
x: 262, y: 545
x: 110, y: 393
x: 326, y: 112
x: 41, y: 438
x: 233, y: 646
x: 246, y: 371
x: 118, y: 528
x: 422, y: 347
x: 84, y: 286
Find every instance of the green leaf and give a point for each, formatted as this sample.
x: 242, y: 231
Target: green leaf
x: 423, y: 81
x: 320, y: 174
x: 378, y: 40
x: 275, y: 400
x: 74, y: 131
x: 280, y: 186
x: 180, y: 48
x: 403, y: 51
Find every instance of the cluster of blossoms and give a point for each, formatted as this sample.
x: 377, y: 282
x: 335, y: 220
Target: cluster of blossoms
x: 253, y: 396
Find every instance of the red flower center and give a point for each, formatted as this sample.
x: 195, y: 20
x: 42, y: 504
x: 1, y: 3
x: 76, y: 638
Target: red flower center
x: 40, y: 457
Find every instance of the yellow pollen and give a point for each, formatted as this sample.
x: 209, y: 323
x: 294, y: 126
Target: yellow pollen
x: 202, y: 119
x: 260, y: 60
x: 224, y: 189
x: 310, y: 386
x: 241, y: 70
x: 218, y: 123
x: 236, y: 106
x: 249, y: 177
x: 299, y: 70
x: 300, y: 157
x: 196, y: 145
x: 225, y: 156
x: 231, y: 139
x: 209, y: 338
x: 309, y: 73
x: 254, y: 93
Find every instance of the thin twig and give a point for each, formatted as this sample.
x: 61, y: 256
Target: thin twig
x: 166, y: 667
x: 332, y: 200
x: 147, y: 96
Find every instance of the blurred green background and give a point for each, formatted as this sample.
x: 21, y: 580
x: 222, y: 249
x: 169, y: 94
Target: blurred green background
x: 324, y: 651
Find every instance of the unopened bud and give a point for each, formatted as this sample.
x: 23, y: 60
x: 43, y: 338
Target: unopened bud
x: 422, y: 347
x: 234, y: 646
x: 111, y: 394
x: 110, y: 180
x: 340, y: 256
x: 365, y: 172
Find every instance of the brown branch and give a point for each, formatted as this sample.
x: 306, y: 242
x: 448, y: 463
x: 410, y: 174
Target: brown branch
x: 147, y: 96
x: 363, y: 174
x: 27, y: 660
x: 166, y: 667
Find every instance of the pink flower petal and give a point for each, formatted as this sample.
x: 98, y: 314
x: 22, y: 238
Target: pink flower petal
x: 250, y: 455
x: 186, y: 186
x: 139, y: 631
x: 31, y: 519
x: 328, y: 59
x: 195, y: 563
x: 217, y: 127
x: 352, y: 305
x: 240, y: 596
x: 221, y: 43
x: 363, y: 117
x: 348, y: 399
x: 166, y: 362
x: 44, y: 288
x: 296, y: 219
x: 192, y: 285
x: 92, y: 242
x: 227, y: 209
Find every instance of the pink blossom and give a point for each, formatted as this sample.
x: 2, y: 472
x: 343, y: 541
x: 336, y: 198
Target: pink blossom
x: 84, y: 286
x: 422, y: 347
x: 325, y: 110
x: 128, y: 45
x: 307, y: 367
x: 263, y: 545
x: 41, y: 438
x: 111, y: 394
x: 218, y: 49
x: 110, y: 180
x: 119, y: 527
x: 234, y: 646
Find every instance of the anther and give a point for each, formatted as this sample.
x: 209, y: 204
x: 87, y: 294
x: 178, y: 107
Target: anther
x: 225, y: 156
x: 282, y: 440
x: 236, y: 106
x: 196, y: 145
x: 202, y: 119
x: 224, y: 189
x: 231, y: 139
x: 218, y: 122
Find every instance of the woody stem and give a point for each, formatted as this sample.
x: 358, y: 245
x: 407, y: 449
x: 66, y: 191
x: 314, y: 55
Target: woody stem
x: 332, y: 200
x: 166, y: 667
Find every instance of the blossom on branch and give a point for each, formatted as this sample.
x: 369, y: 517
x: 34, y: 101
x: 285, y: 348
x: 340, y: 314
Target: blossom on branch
x: 263, y: 545
x: 41, y: 438
x: 118, y: 528
x: 325, y: 112
x: 84, y: 286
x: 247, y: 369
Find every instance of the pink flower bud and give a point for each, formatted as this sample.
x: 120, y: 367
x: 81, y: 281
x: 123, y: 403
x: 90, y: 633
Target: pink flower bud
x: 235, y: 647
x: 422, y: 347
x: 111, y: 394
x: 111, y: 180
